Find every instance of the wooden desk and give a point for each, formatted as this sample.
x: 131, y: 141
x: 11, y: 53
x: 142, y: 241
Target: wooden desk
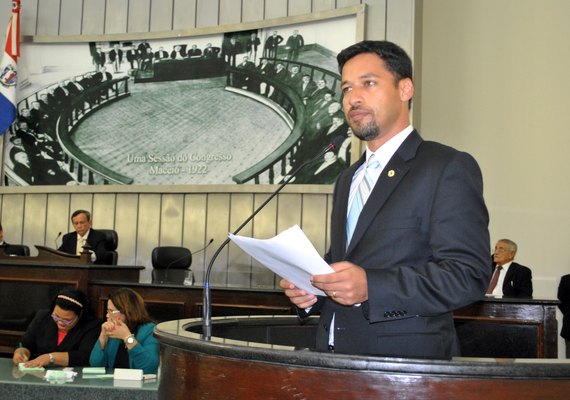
x: 16, y: 385
x: 28, y: 284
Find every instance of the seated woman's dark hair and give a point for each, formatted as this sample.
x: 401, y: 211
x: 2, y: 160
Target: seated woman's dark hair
x: 71, y: 299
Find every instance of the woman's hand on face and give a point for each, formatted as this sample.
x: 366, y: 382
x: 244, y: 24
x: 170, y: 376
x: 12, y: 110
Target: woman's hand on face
x: 119, y: 330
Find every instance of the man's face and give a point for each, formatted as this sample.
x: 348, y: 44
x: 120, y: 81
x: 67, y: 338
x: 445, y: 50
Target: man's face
x: 374, y: 104
x: 81, y: 224
x: 503, y: 253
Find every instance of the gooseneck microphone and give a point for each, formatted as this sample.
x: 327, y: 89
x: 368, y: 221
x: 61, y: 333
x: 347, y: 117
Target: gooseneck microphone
x: 56, y: 238
x: 206, y: 299
x: 184, y: 257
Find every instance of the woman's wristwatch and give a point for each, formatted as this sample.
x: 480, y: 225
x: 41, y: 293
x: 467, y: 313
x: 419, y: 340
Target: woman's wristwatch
x: 129, y: 339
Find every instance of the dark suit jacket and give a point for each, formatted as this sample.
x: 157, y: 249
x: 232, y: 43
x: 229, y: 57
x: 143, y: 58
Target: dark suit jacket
x: 95, y: 239
x: 423, y: 240
x: 518, y: 281
x: 564, y: 297
x: 41, y: 338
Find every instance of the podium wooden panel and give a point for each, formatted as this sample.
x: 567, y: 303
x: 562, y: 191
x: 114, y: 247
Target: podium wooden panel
x: 266, y: 358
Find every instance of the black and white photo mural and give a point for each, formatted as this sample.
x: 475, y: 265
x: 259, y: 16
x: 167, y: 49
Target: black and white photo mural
x: 244, y: 107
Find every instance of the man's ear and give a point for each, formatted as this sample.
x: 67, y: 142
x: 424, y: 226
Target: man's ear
x: 406, y: 89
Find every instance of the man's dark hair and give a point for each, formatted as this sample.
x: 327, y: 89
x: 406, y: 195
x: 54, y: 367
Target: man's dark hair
x: 76, y: 213
x: 395, y: 58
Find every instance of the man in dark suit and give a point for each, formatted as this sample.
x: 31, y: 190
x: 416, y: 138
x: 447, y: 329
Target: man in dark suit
x: 73, y: 242
x: 513, y: 279
x: 564, y: 297
x: 419, y: 247
x: 9, y: 249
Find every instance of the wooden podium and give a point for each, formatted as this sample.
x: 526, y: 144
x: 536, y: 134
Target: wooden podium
x: 48, y: 255
x: 253, y: 357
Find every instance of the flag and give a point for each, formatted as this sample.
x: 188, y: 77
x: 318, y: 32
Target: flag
x: 9, y: 70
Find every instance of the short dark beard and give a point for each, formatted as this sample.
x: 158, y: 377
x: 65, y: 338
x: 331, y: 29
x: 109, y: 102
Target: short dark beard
x: 367, y: 133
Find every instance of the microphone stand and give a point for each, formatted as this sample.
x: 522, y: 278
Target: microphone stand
x: 206, y: 297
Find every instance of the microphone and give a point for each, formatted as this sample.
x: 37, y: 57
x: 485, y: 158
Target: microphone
x: 184, y: 257
x: 57, y: 237
x: 206, y: 299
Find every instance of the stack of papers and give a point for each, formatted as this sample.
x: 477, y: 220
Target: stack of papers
x: 23, y: 368
x: 291, y: 255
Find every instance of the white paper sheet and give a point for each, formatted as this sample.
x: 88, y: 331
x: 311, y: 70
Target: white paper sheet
x: 291, y: 255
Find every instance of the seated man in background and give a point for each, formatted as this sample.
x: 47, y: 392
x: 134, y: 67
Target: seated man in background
x: 509, y: 279
x: 73, y: 242
x: 9, y: 249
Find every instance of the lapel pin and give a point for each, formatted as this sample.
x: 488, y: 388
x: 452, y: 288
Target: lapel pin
x: 391, y: 173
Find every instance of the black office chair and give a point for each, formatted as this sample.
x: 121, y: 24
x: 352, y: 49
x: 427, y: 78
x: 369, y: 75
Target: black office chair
x: 170, y: 263
x: 15, y: 250
x: 111, y: 244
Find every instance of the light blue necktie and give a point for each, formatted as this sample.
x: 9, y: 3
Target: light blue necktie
x: 364, y: 188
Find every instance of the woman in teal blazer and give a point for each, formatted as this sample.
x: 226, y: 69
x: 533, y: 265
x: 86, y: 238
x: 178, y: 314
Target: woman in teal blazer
x: 126, y: 339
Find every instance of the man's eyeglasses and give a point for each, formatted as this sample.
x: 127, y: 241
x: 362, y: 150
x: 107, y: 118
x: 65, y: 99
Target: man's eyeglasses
x: 62, y: 321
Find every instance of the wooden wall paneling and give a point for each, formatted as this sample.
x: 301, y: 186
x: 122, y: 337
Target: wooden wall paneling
x: 253, y: 10
x: 275, y: 9
x: 194, y: 231
x: 376, y: 20
x: 116, y: 16
x: 171, y: 219
x: 298, y: 7
x: 5, y: 12
x: 71, y: 17
x: 315, y: 212
x: 13, y: 218
x: 139, y: 16
x: 126, y: 217
x: 239, y: 268
x: 161, y: 15
x: 230, y: 12
x: 184, y: 14
x: 28, y: 17
x: 264, y: 227
x: 217, y: 226
x: 104, y: 210
x: 148, y: 234
x: 48, y: 17
x: 348, y: 3
x: 400, y: 23
x: 207, y: 13
x: 289, y: 213
x: 35, y: 218
x: 323, y: 5
x: 93, y: 17
x: 329, y: 202
x: 57, y: 218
